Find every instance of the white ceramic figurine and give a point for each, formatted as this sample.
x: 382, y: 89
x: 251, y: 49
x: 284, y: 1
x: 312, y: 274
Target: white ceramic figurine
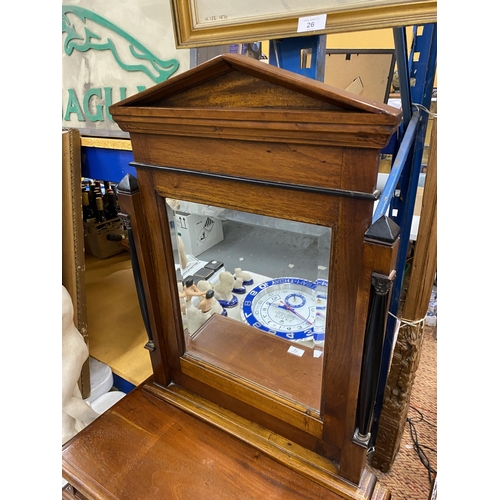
x: 204, y: 286
x: 244, y: 275
x: 224, y: 290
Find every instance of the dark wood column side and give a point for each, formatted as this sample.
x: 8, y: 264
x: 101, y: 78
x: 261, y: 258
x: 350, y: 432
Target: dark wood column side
x: 131, y: 206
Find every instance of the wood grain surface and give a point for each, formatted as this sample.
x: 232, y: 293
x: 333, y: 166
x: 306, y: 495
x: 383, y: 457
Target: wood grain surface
x: 145, y: 448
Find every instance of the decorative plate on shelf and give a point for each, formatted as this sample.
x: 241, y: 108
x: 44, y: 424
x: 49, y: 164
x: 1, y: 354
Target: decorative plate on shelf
x: 283, y: 306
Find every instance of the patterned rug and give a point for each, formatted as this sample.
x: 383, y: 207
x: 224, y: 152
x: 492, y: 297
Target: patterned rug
x: 409, y: 478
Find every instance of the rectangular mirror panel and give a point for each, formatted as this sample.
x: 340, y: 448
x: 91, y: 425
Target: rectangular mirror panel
x: 252, y: 293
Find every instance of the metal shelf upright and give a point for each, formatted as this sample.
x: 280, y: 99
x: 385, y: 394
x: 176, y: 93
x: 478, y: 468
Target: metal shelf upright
x: 399, y: 194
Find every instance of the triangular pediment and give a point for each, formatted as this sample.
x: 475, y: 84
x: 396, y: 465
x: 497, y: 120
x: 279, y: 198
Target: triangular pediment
x: 234, y: 97
x: 235, y: 81
x: 240, y: 90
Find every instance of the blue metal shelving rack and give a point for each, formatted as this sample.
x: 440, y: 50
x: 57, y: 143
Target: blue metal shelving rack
x: 416, y: 81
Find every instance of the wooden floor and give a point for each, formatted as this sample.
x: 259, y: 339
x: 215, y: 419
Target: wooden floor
x: 116, y: 331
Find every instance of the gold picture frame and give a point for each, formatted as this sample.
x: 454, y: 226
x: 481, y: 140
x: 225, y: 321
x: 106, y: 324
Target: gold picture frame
x: 73, y: 252
x: 199, y: 23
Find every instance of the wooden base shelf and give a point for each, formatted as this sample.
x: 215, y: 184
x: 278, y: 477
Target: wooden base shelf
x: 131, y: 451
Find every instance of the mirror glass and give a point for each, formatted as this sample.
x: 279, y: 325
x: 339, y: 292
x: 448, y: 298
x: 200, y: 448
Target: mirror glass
x: 253, y: 292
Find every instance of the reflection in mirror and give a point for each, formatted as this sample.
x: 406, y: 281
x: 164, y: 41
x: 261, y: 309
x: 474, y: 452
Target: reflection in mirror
x: 253, y: 293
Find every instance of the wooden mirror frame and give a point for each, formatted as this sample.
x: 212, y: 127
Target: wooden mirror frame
x: 328, y: 143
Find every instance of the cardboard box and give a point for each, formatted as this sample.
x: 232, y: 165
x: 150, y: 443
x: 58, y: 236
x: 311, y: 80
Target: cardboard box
x: 418, y: 201
x: 96, y: 242
x: 198, y: 232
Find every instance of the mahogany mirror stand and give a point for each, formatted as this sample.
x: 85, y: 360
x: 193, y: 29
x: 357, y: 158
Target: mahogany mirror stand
x: 260, y: 399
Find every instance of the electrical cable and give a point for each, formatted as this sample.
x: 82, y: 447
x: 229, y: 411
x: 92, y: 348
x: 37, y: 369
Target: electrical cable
x: 419, y: 448
x: 421, y: 107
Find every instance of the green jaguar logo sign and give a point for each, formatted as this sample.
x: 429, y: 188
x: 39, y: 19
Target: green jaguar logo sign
x: 80, y: 37
x: 83, y: 31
